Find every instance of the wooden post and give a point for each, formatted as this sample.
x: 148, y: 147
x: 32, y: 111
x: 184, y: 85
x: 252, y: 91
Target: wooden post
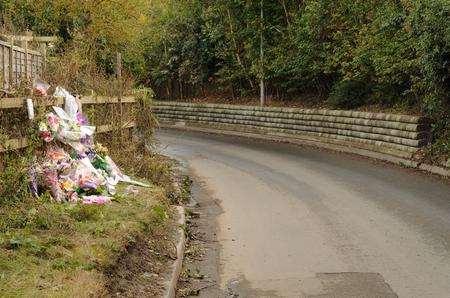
x: 4, y: 64
x: 119, y: 87
x: 11, y: 60
x: 119, y: 74
x: 43, y: 50
x: 25, y: 46
x: 31, y: 67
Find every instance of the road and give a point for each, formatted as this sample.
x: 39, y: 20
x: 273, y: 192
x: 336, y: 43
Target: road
x: 304, y: 222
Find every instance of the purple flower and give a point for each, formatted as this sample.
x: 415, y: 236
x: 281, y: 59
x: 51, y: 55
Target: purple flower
x: 91, y: 154
x: 80, y: 155
x: 86, y: 140
x: 82, y: 119
x: 89, y: 185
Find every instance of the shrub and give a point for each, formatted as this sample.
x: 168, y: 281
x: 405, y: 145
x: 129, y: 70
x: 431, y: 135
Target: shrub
x: 349, y: 94
x: 13, y: 178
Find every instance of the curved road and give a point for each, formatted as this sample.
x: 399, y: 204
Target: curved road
x: 304, y: 222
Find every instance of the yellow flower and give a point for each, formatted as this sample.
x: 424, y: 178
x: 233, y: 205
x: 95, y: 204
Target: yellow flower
x: 67, y: 185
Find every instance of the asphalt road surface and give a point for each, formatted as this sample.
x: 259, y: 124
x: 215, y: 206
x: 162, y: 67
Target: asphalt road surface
x: 304, y: 222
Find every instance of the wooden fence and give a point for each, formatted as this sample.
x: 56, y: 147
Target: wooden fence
x: 17, y: 64
x: 20, y: 103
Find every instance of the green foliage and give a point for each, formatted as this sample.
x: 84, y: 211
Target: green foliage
x: 160, y: 212
x: 355, y: 52
x: 13, y: 178
x: 85, y: 212
x: 400, y: 48
x: 349, y: 94
x: 91, y: 33
x: 183, y: 49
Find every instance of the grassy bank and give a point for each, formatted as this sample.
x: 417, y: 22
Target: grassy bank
x: 49, y: 249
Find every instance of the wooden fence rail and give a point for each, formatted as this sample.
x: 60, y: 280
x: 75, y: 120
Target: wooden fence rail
x: 17, y: 103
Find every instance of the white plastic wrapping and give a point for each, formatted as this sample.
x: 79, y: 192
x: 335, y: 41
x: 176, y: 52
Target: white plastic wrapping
x: 70, y: 102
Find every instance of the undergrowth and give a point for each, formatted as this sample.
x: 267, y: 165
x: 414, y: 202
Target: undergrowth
x: 49, y: 249
x: 53, y: 249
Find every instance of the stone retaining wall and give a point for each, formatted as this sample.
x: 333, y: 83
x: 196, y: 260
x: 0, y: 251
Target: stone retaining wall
x: 398, y: 135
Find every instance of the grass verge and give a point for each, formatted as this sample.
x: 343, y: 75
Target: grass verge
x: 56, y: 250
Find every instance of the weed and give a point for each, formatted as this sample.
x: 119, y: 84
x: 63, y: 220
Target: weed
x: 11, y: 218
x: 187, y: 232
x: 61, y: 240
x: 88, y: 267
x: 99, y: 232
x: 61, y: 264
x: 13, y: 179
x: 85, y: 212
x: 160, y: 212
x: 186, y: 189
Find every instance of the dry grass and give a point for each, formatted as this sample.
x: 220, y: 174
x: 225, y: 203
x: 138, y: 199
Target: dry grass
x: 50, y: 250
x: 56, y: 250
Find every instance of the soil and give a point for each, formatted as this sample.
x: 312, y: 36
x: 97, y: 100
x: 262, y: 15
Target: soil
x: 143, y: 268
x: 200, y: 275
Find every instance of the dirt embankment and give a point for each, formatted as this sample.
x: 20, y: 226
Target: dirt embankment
x: 141, y: 270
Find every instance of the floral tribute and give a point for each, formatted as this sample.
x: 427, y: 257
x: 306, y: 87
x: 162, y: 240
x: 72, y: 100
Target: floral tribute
x: 73, y: 168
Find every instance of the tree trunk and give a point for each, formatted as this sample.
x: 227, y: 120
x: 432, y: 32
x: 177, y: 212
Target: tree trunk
x: 181, y: 88
x: 283, y: 3
x: 238, y: 58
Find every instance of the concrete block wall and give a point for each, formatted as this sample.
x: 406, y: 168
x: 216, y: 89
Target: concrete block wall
x: 397, y: 135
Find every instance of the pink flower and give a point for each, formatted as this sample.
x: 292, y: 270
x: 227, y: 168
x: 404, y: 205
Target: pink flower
x: 73, y: 197
x: 96, y: 200
x: 52, y: 120
x: 40, y: 91
x: 47, y: 136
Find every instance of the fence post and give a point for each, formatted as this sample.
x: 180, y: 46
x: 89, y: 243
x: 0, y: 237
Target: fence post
x: 24, y: 45
x: 4, y: 69
x: 11, y: 60
x: 43, y: 50
x: 119, y: 87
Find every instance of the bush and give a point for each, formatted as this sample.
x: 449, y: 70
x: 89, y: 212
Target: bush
x: 349, y: 94
x: 13, y: 178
